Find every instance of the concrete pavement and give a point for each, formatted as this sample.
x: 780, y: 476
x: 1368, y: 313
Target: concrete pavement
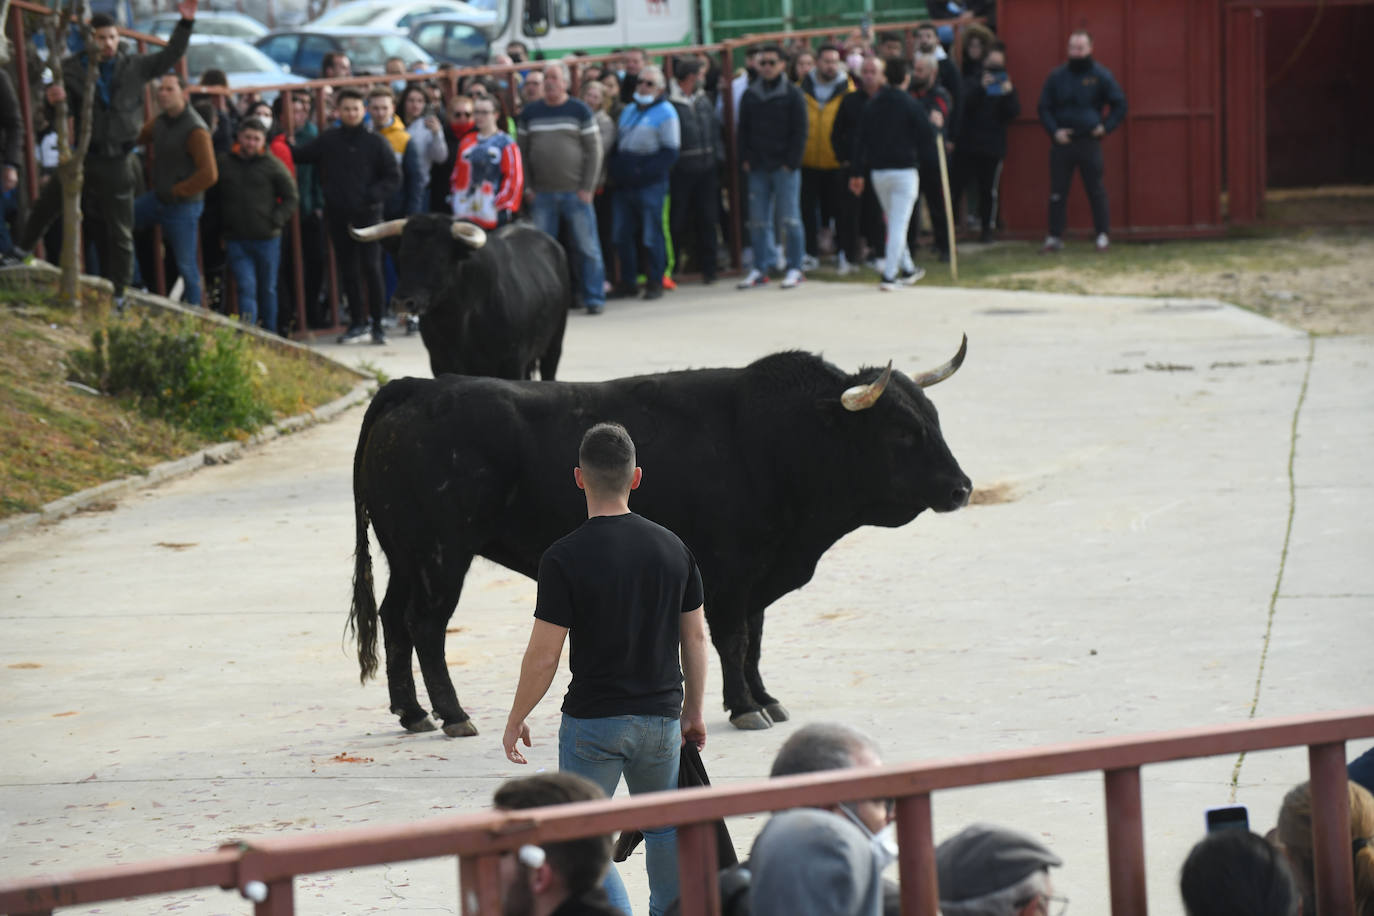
x: 1169, y: 486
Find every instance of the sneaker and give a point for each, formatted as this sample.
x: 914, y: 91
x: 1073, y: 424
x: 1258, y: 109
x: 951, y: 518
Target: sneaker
x: 792, y: 279
x: 595, y: 309
x: 752, y: 279
x: 379, y: 338
x: 1052, y: 244
x: 985, y: 236
x: 1103, y: 243
x: 653, y: 292
x: 412, y: 325
x: 842, y: 266
x: 888, y: 286
x: 809, y: 262
x: 912, y: 277
x: 356, y: 332
x: 120, y: 304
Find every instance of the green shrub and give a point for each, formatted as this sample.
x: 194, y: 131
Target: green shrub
x: 198, y: 381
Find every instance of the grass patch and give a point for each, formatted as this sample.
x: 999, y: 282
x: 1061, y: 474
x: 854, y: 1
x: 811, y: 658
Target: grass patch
x: 57, y: 438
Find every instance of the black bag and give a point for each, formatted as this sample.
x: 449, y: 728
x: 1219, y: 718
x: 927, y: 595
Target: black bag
x: 691, y: 772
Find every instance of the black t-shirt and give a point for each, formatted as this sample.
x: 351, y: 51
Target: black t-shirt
x: 620, y: 584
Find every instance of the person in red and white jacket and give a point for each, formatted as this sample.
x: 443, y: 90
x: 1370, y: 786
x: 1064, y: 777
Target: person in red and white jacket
x: 488, y: 175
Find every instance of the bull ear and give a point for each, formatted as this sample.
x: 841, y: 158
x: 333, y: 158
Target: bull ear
x: 474, y: 236
x: 862, y: 397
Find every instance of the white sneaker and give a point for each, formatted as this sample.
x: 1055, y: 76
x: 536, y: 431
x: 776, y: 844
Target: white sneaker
x: 792, y: 278
x: 1103, y: 243
x: 752, y: 279
x: 912, y: 277
x: 809, y: 262
x: 889, y: 286
x: 842, y: 266
x: 1052, y: 244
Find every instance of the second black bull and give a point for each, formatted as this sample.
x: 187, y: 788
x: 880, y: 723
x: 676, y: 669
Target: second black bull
x: 759, y: 470
x: 490, y: 303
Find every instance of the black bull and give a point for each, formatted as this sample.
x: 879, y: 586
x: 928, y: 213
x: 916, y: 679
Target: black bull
x: 759, y: 470
x: 490, y: 303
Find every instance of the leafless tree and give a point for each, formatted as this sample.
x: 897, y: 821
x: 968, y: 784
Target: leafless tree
x: 71, y: 161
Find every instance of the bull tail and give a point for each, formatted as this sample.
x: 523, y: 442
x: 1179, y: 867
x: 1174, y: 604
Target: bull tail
x: 362, y: 616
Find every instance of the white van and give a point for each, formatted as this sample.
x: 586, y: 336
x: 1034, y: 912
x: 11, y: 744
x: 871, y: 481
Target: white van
x: 594, y: 26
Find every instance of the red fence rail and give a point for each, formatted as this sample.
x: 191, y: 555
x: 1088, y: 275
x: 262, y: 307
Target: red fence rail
x: 478, y: 840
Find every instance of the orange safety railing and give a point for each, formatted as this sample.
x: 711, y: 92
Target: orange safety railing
x: 478, y: 840
x: 725, y: 50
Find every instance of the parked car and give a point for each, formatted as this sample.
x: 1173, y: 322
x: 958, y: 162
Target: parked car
x: 380, y: 14
x: 242, y: 63
x: 456, y: 41
x: 224, y: 25
x: 302, y: 50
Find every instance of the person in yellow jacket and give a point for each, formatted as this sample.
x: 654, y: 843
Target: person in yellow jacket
x: 822, y: 178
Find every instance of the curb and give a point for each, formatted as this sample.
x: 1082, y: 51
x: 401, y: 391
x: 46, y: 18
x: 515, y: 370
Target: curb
x: 220, y: 453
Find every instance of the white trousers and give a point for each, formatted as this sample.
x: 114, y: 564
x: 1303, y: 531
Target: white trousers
x: 896, y: 190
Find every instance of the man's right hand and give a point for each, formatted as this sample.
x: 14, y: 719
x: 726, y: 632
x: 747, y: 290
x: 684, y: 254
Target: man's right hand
x: 856, y: 186
x: 694, y: 730
x: 1062, y: 136
x: 585, y: 196
x: 937, y: 119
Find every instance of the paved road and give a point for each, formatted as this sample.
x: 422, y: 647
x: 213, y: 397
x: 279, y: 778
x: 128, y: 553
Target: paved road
x: 1172, y: 487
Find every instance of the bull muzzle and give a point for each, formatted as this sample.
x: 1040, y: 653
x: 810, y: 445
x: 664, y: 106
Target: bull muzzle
x: 862, y: 397
x: 380, y: 231
x: 467, y: 232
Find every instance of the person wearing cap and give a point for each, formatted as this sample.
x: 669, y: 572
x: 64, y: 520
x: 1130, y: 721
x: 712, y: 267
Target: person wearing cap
x: 556, y: 879
x: 984, y: 870
x: 811, y: 862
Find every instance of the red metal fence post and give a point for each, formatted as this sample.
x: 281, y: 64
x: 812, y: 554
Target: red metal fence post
x: 697, y: 860
x: 916, y: 856
x: 725, y: 87
x: 1125, y: 842
x: 280, y: 899
x: 1333, y: 866
x: 479, y: 885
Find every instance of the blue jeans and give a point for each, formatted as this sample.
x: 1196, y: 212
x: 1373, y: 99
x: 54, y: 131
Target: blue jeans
x: 642, y: 206
x: 253, y: 263
x: 179, y: 222
x: 780, y: 188
x: 645, y: 750
x: 553, y: 207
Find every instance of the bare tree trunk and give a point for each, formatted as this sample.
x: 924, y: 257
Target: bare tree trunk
x: 71, y: 162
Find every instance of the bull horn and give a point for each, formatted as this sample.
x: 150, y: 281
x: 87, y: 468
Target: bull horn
x: 862, y: 397
x: 380, y: 231
x: 927, y: 379
x: 467, y: 232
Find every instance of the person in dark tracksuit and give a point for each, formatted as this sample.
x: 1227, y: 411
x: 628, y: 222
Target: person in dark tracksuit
x: 358, y: 173
x: 990, y: 104
x: 694, y: 188
x: 1071, y: 106
x: 860, y: 216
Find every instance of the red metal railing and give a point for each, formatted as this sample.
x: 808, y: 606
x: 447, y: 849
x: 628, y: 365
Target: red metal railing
x: 478, y: 840
x: 724, y: 49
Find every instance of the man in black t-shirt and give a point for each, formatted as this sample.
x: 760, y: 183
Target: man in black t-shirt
x: 630, y: 593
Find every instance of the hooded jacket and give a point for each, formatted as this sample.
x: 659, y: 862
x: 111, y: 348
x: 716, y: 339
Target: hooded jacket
x: 702, y: 147
x: 772, y: 125
x: 358, y: 172
x: 1075, y: 100
x: 820, y: 122
x: 647, y: 142
x: 257, y: 195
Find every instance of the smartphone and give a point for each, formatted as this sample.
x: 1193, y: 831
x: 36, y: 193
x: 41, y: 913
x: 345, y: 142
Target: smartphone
x: 1227, y: 817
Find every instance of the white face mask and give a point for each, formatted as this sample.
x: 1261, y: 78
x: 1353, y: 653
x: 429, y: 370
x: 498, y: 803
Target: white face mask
x: 883, y: 843
x: 644, y: 99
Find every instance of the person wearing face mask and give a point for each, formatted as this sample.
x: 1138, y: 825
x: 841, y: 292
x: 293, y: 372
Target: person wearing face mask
x: 833, y: 856
x: 648, y: 139
x: 458, y: 125
x: 1071, y: 105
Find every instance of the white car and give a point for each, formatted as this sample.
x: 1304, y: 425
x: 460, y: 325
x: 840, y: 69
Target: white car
x: 382, y: 14
x: 244, y: 65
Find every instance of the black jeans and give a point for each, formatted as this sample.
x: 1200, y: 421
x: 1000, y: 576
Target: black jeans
x: 1084, y: 154
x: 360, y: 265
x: 820, y: 201
x: 987, y: 172
x: 693, y: 211
x: 934, y: 194
x: 107, y: 194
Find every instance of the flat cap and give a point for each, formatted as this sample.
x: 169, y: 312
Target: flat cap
x: 983, y: 859
x: 809, y: 862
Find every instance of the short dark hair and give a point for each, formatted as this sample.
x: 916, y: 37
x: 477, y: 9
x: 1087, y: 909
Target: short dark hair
x: 580, y: 862
x: 1084, y: 32
x: 828, y: 47
x: 895, y: 70
x: 684, y: 67
x: 207, y: 112
x: 1237, y: 873
x: 251, y: 123
x: 346, y: 93
x: 330, y: 59
x: 927, y: 27
x: 885, y: 37
x: 773, y: 49
x: 997, y: 44
x: 103, y: 21
x: 818, y: 747
x: 377, y: 92
x: 607, y: 458
x: 181, y: 80
x: 214, y: 76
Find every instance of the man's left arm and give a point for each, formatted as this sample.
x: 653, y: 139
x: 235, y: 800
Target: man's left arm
x: 536, y: 674
x: 1116, y: 103
x: 202, y: 152
x: 165, y: 58
x: 693, y: 651
x: 287, y: 196
x: 800, y: 128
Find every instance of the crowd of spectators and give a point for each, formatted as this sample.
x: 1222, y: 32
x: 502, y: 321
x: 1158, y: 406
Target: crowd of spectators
x: 624, y: 161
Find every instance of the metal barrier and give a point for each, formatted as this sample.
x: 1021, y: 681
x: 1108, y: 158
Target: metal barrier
x: 264, y: 870
x: 317, y: 88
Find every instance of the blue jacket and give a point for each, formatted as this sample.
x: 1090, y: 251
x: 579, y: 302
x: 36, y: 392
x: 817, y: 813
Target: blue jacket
x: 646, y: 144
x: 1075, y: 100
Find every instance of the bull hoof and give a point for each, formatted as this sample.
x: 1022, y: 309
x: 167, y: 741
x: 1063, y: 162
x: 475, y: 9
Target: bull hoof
x: 751, y: 721
x: 464, y: 729
x: 425, y: 724
x: 777, y: 712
